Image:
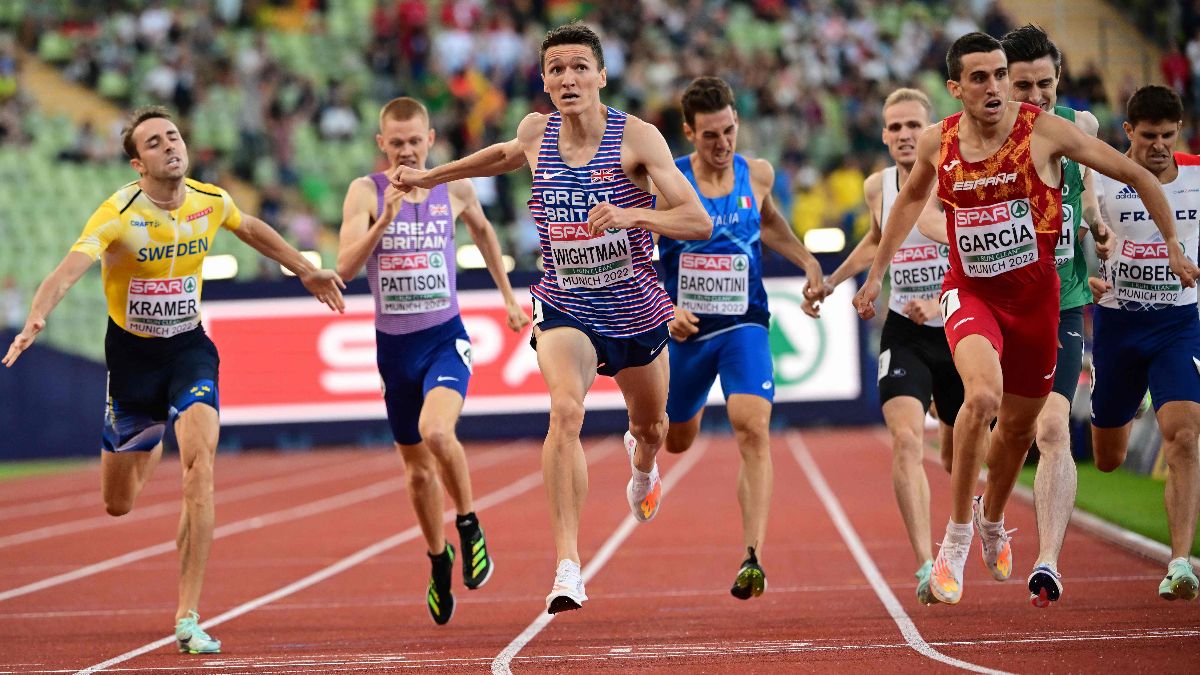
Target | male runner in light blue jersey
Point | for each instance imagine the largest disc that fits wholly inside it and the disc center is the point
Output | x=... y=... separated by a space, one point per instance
x=721 y=315
x=598 y=308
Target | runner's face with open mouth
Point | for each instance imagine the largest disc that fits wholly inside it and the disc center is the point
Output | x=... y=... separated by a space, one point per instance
x=1034 y=82
x=714 y=134
x=902 y=124
x=984 y=86
x=572 y=79
x=1151 y=144
x=162 y=154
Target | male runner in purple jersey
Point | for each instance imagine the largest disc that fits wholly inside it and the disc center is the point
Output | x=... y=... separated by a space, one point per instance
x=592 y=168
x=424 y=353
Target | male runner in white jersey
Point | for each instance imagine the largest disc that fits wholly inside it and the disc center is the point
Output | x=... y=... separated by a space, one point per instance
x=1034 y=65
x=721 y=315
x=915 y=365
x=424 y=352
x=152 y=237
x=1146 y=330
x=598 y=308
x=997 y=166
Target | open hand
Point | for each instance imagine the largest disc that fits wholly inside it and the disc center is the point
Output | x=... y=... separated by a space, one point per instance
x=22 y=341
x=326 y=286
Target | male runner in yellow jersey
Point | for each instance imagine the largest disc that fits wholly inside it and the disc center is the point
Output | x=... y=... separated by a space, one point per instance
x=152 y=236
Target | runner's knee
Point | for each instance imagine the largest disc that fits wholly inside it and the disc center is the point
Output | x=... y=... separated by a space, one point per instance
x=906 y=445
x=650 y=434
x=420 y=474
x=1053 y=435
x=198 y=479
x=566 y=416
x=752 y=437
x=438 y=436
x=982 y=403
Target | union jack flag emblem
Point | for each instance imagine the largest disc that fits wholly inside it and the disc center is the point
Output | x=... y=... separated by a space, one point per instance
x=604 y=175
x=439 y=209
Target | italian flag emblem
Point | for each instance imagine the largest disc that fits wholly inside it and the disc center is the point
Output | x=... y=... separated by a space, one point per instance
x=743 y=202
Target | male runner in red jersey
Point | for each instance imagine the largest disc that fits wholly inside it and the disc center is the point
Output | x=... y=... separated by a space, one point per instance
x=998 y=169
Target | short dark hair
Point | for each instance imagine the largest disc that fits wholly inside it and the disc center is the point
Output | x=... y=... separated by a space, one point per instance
x=1154 y=103
x=1030 y=43
x=971 y=43
x=146 y=112
x=574 y=33
x=705 y=95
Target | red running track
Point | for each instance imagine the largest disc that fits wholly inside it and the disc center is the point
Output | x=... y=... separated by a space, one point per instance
x=319 y=568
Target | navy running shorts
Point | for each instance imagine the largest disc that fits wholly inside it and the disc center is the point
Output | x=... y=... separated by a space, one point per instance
x=412 y=364
x=1159 y=349
x=151 y=381
x=612 y=354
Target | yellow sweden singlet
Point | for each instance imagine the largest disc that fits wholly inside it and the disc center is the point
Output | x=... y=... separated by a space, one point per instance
x=151 y=257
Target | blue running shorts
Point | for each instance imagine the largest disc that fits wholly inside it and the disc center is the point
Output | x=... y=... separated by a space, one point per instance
x=1132 y=350
x=613 y=354
x=412 y=364
x=741 y=356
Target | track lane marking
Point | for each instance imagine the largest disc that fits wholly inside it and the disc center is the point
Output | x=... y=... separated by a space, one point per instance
x=501 y=664
x=514 y=489
x=342 y=500
x=907 y=628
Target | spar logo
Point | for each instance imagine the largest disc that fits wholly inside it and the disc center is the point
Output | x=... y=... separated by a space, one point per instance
x=162 y=286
x=708 y=263
x=1020 y=208
x=1132 y=249
x=986 y=215
x=410 y=261
x=919 y=253
x=571 y=232
x=798 y=343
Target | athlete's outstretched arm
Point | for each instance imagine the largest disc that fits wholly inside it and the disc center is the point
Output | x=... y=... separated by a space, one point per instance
x=684 y=217
x=358 y=236
x=484 y=236
x=51 y=291
x=490 y=161
x=325 y=285
x=905 y=212
x=1067 y=140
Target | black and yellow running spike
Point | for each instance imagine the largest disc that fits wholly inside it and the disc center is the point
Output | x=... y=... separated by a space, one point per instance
x=477 y=562
x=751 y=581
x=438 y=596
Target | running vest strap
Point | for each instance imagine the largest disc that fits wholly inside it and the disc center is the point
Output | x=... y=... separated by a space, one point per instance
x=607 y=281
x=1068 y=253
x=1002 y=220
x=720 y=278
x=919 y=266
x=151 y=258
x=1138 y=267
x=412 y=269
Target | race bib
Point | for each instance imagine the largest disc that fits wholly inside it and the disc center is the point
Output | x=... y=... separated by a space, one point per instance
x=1064 y=250
x=1141 y=273
x=917 y=273
x=584 y=261
x=413 y=283
x=163 y=307
x=995 y=239
x=714 y=284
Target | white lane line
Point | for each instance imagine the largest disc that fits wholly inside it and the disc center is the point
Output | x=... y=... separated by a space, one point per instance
x=343 y=500
x=156 y=487
x=907 y=628
x=501 y=665
x=171 y=507
x=514 y=489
